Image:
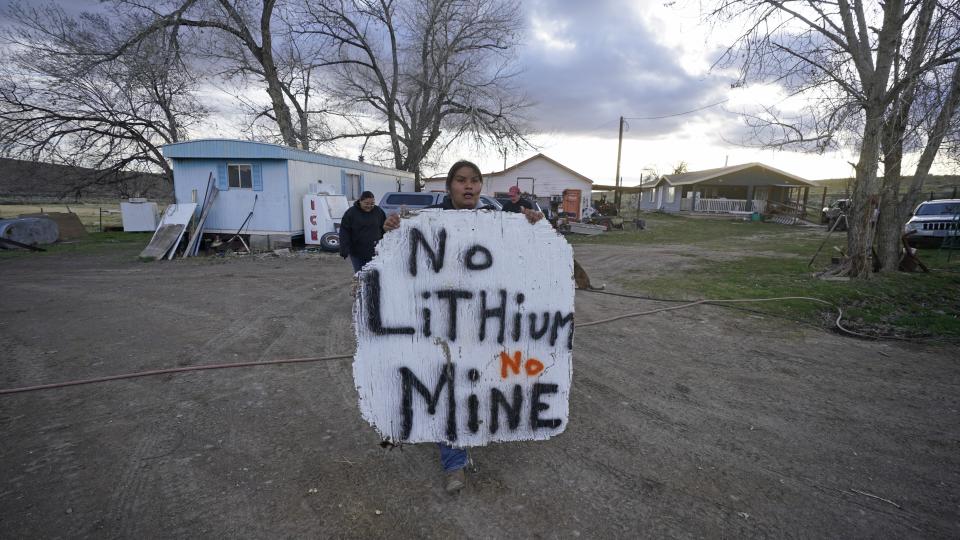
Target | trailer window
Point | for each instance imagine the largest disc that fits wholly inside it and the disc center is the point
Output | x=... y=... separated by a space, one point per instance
x=352 y=187
x=240 y=176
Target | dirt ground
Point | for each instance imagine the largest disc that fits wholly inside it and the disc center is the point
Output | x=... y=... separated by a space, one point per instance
x=694 y=423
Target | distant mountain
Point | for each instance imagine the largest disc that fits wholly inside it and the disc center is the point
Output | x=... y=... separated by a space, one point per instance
x=31 y=181
x=939 y=186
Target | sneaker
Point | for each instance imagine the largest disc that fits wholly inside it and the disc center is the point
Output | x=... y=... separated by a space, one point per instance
x=456 y=481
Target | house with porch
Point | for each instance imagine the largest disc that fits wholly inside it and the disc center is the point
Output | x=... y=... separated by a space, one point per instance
x=738 y=189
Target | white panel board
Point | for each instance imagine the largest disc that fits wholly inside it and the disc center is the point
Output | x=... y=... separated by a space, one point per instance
x=139 y=216
x=464 y=326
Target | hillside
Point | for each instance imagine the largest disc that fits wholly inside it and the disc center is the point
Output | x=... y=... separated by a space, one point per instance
x=937 y=186
x=30 y=181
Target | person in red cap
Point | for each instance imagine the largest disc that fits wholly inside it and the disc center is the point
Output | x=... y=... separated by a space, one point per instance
x=516 y=203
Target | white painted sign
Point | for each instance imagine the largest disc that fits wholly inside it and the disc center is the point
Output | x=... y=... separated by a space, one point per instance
x=464 y=325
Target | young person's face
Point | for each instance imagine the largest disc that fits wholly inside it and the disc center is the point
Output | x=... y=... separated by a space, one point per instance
x=367 y=204
x=465 y=188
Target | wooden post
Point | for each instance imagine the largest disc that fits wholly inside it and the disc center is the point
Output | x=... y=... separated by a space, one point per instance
x=806 y=197
x=823 y=200
x=101 y=219
x=616 y=180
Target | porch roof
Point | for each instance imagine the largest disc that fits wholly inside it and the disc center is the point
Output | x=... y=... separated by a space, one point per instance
x=749 y=174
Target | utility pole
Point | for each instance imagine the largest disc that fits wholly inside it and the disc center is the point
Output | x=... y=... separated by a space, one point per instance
x=616 y=180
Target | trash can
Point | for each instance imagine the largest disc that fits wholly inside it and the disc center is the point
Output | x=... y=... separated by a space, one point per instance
x=755 y=216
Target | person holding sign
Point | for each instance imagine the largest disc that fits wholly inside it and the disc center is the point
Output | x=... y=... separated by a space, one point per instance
x=360 y=229
x=464 y=183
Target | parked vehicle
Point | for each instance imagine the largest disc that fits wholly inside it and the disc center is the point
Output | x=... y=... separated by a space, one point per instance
x=536 y=206
x=393 y=201
x=831 y=212
x=933 y=221
x=607 y=222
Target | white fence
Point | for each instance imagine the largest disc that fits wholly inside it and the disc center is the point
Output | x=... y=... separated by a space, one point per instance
x=729 y=206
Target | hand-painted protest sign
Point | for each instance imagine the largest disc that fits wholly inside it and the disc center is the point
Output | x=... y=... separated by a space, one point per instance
x=464 y=325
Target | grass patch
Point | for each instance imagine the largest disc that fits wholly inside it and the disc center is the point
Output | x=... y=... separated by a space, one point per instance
x=121 y=243
x=774 y=263
x=668 y=229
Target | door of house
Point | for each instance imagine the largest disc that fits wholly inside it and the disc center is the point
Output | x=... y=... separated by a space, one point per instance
x=571 y=202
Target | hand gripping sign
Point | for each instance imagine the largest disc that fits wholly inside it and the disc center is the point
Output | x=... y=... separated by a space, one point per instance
x=464 y=325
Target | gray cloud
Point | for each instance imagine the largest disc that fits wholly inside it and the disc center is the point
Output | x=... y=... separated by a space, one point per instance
x=616 y=68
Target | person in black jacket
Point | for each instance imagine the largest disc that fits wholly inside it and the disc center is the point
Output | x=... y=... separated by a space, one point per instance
x=516 y=203
x=360 y=229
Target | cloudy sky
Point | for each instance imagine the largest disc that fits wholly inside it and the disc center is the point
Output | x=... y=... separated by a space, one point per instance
x=586 y=63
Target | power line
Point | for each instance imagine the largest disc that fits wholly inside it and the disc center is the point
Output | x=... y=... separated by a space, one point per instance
x=678 y=114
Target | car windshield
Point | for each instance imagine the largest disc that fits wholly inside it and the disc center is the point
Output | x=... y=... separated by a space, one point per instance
x=409 y=199
x=938 y=209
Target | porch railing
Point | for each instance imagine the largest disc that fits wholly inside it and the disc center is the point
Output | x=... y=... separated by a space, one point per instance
x=729 y=206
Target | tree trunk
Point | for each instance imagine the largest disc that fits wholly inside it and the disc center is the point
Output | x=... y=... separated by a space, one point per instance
x=274 y=89
x=891 y=218
x=860 y=233
x=888 y=221
x=280 y=109
x=889 y=228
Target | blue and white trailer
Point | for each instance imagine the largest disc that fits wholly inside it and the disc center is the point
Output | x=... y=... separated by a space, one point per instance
x=271 y=180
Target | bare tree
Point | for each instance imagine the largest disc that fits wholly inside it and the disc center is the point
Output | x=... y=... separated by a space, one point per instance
x=424 y=73
x=843 y=57
x=251 y=39
x=110 y=116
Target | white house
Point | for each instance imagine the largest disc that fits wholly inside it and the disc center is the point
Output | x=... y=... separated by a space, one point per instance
x=539 y=176
x=270 y=180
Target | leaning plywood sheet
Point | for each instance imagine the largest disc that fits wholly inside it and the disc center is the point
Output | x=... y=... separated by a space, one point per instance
x=68 y=224
x=464 y=326
x=160 y=244
x=165 y=237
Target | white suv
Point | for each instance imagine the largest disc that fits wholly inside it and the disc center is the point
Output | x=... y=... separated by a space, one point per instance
x=932 y=221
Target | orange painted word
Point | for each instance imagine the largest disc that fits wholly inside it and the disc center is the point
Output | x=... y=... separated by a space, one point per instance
x=532 y=366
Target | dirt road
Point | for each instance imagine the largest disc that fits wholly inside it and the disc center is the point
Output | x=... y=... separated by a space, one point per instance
x=696 y=423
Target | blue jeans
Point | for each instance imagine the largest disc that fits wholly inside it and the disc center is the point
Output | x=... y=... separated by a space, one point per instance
x=358 y=263
x=452 y=458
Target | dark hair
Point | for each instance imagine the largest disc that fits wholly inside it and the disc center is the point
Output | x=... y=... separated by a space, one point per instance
x=457 y=166
x=366 y=195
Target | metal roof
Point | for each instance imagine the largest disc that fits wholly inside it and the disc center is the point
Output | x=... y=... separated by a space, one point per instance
x=238 y=149
x=696 y=177
x=538 y=156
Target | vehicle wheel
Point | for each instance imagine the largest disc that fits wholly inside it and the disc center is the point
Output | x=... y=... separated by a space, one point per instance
x=330 y=242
